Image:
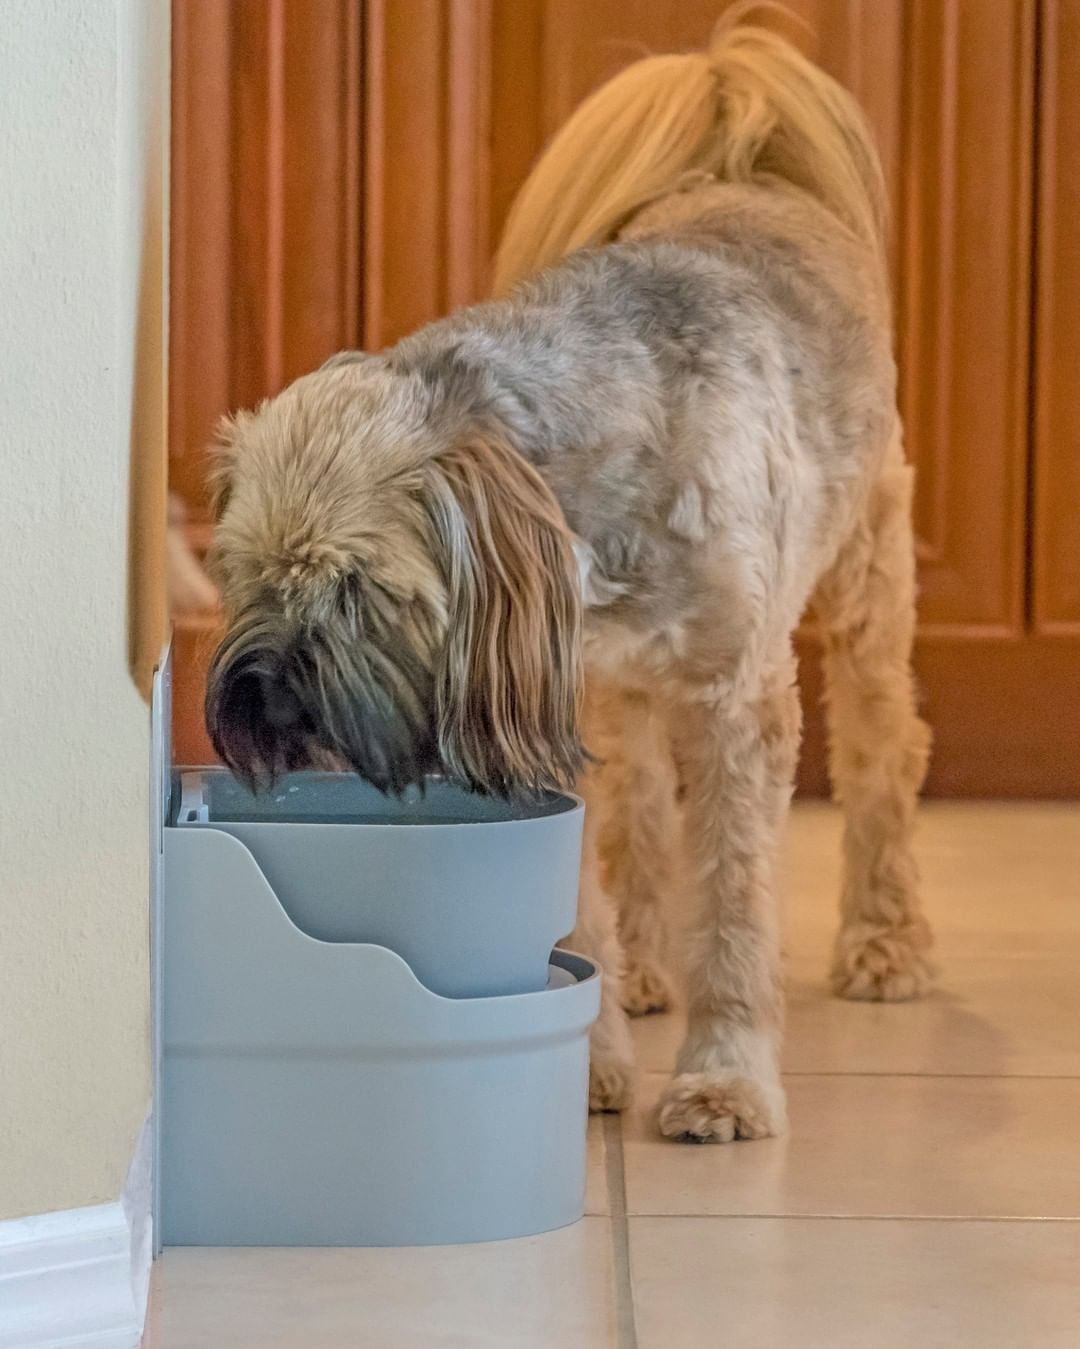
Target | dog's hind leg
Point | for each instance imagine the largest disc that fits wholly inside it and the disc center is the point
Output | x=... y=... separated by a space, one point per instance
x=637 y=836
x=611 y=1047
x=878 y=745
x=737 y=765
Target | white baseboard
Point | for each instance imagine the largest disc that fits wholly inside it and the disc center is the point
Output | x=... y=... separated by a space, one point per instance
x=78 y=1279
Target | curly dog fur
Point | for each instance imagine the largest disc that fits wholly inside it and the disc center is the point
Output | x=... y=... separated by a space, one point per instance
x=676 y=431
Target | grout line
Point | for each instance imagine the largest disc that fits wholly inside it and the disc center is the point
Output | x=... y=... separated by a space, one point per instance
x=885 y=1072
x=615 y=1172
x=861 y=1217
x=955 y=1077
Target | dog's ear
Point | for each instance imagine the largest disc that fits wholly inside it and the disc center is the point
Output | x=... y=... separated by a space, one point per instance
x=510 y=683
x=223 y=452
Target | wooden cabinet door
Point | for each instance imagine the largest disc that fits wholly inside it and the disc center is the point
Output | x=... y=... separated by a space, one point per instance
x=1056 y=465
x=963 y=205
x=949 y=86
x=342 y=169
x=982 y=349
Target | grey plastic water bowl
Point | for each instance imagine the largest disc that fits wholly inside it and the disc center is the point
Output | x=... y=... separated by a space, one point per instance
x=366 y=1037
x=473 y=893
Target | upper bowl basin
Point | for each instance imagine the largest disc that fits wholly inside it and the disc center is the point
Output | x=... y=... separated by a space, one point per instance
x=473 y=897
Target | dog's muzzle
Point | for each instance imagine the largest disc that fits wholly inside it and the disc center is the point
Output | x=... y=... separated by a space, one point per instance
x=280 y=699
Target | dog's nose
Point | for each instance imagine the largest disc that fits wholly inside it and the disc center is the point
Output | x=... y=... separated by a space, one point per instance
x=280 y=706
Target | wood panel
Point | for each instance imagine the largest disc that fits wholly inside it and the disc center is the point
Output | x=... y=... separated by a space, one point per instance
x=200 y=244
x=1005 y=717
x=552 y=53
x=964 y=302
x=1056 y=539
x=426 y=123
x=265 y=245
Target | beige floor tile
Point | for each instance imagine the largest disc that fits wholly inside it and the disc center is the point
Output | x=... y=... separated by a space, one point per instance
x=553 y=1289
x=1002 y=885
x=998 y=878
x=866 y=1146
x=1018 y=1016
x=821 y=1284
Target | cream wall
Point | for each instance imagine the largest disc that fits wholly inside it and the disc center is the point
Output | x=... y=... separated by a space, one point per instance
x=83 y=117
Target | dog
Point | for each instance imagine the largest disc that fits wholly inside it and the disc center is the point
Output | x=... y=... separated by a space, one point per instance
x=563 y=538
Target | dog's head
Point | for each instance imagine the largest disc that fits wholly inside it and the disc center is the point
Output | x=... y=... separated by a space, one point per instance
x=400 y=594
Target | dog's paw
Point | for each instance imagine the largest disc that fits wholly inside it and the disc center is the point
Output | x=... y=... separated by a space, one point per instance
x=645 y=988
x=882 y=964
x=611 y=1083
x=718 y=1108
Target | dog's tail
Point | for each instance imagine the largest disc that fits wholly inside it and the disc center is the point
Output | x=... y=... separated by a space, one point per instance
x=749 y=108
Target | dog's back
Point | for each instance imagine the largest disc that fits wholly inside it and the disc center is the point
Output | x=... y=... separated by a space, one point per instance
x=738 y=201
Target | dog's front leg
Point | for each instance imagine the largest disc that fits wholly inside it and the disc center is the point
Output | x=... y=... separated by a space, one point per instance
x=737 y=767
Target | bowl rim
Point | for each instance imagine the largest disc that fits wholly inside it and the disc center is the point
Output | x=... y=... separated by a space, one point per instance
x=189 y=810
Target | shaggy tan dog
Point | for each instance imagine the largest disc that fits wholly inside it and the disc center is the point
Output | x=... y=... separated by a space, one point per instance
x=642 y=464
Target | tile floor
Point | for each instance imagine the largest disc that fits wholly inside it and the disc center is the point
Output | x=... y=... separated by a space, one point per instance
x=928 y=1193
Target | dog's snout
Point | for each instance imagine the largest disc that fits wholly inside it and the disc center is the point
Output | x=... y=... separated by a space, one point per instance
x=281 y=708
x=254 y=715
x=280 y=700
